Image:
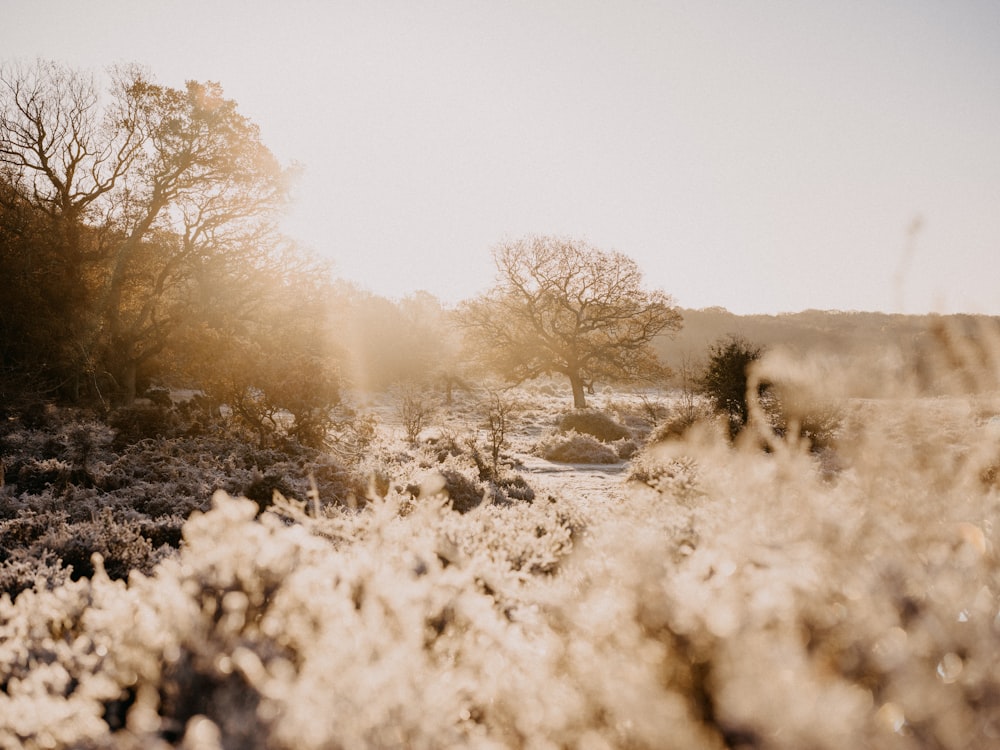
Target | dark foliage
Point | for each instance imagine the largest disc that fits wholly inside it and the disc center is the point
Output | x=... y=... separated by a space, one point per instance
x=140 y=422
x=80 y=487
x=725 y=378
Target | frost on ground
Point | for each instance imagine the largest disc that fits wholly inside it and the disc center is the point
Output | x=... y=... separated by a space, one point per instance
x=756 y=595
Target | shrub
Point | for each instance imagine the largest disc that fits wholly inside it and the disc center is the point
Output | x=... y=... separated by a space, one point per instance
x=135 y=423
x=24 y=570
x=35 y=476
x=574 y=448
x=677 y=424
x=673 y=476
x=159 y=396
x=415 y=408
x=516 y=488
x=625 y=448
x=499 y=415
x=595 y=423
x=261 y=490
x=725 y=379
x=463 y=492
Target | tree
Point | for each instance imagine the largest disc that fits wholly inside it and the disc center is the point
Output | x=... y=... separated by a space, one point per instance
x=61 y=159
x=561 y=306
x=725 y=379
x=142 y=190
x=269 y=353
x=413 y=342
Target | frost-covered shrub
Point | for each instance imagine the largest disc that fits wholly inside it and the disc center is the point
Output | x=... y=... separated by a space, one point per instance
x=625 y=448
x=446 y=444
x=676 y=425
x=24 y=570
x=574 y=448
x=259 y=624
x=37 y=475
x=70 y=493
x=415 y=407
x=514 y=487
x=673 y=475
x=262 y=488
x=119 y=542
x=23 y=530
x=592 y=422
x=774 y=608
x=461 y=491
x=141 y=422
x=54 y=540
x=468 y=475
x=731 y=597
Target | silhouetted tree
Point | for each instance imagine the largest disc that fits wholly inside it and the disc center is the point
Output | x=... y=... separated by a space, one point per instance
x=562 y=306
x=141 y=192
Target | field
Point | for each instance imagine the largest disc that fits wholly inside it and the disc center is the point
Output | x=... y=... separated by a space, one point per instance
x=776 y=592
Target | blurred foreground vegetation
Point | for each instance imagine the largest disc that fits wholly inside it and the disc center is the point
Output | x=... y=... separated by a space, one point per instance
x=759 y=591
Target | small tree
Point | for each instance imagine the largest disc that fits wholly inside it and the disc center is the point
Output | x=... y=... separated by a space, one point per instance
x=724 y=379
x=498 y=422
x=562 y=306
x=414 y=410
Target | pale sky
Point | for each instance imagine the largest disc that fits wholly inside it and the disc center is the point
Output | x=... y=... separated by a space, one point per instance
x=761 y=156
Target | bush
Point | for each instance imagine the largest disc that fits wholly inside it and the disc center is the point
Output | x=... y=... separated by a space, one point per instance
x=595 y=423
x=574 y=448
x=725 y=379
x=516 y=488
x=463 y=492
x=24 y=570
x=135 y=423
x=261 y=490
x=625 y=448
x=677 y=424
x=675 y=477
x=415 y=408
x=70 y=492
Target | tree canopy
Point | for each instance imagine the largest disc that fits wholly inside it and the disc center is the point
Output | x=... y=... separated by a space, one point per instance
x=137 y=224
x=562 y=306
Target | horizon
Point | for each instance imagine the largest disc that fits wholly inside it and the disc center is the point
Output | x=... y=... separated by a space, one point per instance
x=766 y=160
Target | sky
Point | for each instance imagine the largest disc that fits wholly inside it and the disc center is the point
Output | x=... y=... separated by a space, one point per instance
x=760 y=156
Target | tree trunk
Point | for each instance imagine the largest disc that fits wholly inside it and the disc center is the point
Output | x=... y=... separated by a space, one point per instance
x=128 y=382
x=579 y=396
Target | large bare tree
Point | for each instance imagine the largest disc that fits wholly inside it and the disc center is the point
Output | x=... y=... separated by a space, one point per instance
x=562 y=306
x=145 y=188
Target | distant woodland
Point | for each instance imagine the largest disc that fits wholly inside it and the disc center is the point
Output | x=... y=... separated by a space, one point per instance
x=865 y=342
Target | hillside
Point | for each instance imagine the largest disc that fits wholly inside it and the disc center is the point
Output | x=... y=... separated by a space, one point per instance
x=870 y=338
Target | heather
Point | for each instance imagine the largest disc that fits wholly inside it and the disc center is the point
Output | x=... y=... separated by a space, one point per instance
x=754 y=592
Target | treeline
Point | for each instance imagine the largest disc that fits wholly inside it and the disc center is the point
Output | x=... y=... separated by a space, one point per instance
x=138 y=242
x=139 y=248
